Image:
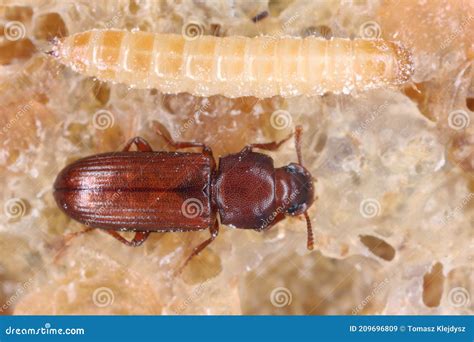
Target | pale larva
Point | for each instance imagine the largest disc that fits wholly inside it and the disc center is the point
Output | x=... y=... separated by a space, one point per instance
x=235 y=66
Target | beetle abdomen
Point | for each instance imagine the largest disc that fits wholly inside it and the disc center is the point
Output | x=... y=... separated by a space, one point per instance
x=236 y=66
x=141 y=191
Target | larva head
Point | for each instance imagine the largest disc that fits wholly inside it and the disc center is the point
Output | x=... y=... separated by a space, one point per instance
x=294 y=187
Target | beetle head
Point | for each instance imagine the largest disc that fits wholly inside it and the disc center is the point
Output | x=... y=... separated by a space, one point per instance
x=295 y=191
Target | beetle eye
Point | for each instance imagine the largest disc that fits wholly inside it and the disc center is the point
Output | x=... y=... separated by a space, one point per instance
x=291 y=169
x=293 y=209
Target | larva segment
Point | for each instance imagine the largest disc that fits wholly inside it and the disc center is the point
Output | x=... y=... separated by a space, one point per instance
x=168 y=63
x=139 y=53
x=200 y=59
x=315 y=61
x=261 y=67
x=199 y=65
x=77 y=47
x=136 y=56
x=230 y=66
x=292 y=69
x=107 y=55
x=340 y=66
x=236 y=66
x=375 y=65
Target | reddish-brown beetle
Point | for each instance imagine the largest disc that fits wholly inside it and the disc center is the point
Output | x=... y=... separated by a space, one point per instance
x=145 y=191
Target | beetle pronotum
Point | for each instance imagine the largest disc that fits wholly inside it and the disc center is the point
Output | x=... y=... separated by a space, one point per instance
x=235 y=66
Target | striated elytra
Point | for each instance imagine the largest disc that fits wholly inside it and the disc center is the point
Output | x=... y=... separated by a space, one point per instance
x=145 y=191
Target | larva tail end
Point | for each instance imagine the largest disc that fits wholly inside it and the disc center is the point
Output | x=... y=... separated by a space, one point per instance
x=53 y=47
x=52 y=53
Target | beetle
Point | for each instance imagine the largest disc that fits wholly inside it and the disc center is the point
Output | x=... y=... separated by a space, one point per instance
x=146 y=191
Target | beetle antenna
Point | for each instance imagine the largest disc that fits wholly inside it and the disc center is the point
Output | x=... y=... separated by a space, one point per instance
x=298 y=132
x=309 y=228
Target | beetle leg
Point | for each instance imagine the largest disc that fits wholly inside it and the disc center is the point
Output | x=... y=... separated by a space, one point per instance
x=142 y=145
x=214 y=230
x=138 y=239
x=71 y=236
x=165 y=134
x=64 y=244
x=270 y=146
